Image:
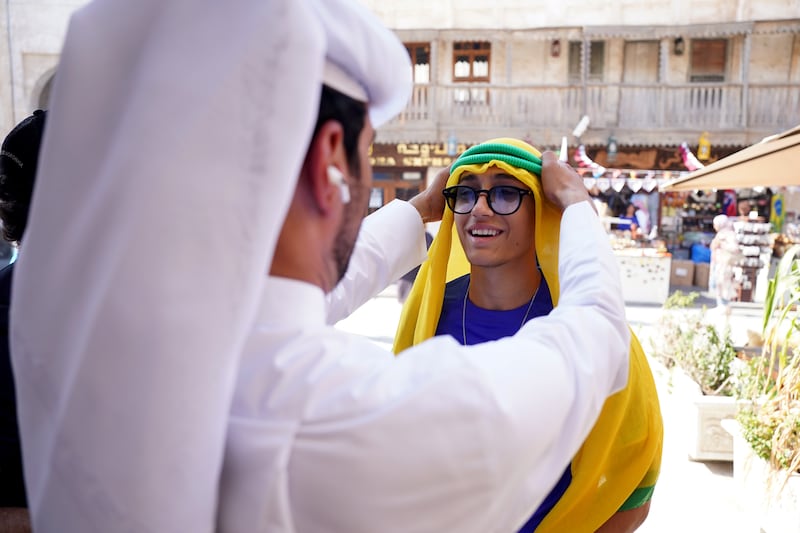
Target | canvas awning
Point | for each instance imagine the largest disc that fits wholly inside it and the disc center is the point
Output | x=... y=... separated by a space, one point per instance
x=773 y=162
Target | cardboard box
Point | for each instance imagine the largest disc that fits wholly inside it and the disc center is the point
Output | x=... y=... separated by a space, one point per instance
x=681 y=273
x=701 y=271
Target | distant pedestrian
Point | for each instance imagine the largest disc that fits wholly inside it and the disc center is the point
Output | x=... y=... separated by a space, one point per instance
x=725 y=254
x=642 y=217
x=628 y=220
x=745 y=208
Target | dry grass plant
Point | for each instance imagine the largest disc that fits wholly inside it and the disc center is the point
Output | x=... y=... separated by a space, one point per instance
x=771 y=421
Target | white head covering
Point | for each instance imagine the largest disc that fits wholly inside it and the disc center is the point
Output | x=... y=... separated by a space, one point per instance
x=721 y=222
x=175 y=130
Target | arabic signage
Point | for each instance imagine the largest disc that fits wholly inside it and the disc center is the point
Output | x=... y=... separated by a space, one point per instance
x=412 y=155
x=425 y=155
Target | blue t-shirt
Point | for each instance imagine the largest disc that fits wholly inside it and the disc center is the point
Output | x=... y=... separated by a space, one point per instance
x=626 y=222
x=486 y=325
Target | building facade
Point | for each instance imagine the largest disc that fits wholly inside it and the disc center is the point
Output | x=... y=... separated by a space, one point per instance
x=31 y=35
x=647 y=75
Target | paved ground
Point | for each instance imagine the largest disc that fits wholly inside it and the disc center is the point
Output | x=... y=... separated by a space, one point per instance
x=690 y=496
x=693 y=496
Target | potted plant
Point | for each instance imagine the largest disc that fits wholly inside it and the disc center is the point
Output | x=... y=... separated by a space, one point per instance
x=769 y=425
x=700 y=359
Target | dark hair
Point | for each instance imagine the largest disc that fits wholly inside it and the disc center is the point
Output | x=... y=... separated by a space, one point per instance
x=18 y=163
x=348 y=112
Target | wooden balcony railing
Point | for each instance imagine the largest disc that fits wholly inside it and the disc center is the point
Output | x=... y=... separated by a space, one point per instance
x=710 y=107
x=773 y=104
x=693 y=106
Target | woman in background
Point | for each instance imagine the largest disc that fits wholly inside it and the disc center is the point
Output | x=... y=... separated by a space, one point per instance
x=725 y=254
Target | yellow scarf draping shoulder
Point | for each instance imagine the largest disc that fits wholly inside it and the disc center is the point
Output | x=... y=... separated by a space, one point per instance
x=618 y=463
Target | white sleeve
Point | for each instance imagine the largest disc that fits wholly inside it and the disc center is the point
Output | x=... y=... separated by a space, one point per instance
x=469 y=439
x=390 y=243
x=153 y=225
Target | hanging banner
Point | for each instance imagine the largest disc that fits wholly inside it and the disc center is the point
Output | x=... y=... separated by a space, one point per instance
x=689 y=159
x=584 y=161
x=617 y=184
x=776 y=213
x=634 y=184
x=729 y=203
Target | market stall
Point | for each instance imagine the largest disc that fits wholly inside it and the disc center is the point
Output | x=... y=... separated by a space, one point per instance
x=768 y=173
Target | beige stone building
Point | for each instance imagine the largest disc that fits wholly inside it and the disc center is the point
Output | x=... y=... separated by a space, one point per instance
x=31 y=35
x=641 y=77
x=649 y=75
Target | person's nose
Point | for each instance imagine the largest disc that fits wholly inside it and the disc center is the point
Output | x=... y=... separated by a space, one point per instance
x=482 y=204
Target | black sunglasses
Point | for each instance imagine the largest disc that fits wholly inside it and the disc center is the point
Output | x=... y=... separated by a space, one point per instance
x=502 y=199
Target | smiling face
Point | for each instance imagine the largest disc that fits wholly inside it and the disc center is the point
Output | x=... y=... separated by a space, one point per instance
x=491 y=240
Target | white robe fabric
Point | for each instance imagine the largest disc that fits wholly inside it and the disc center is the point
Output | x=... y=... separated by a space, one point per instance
x=391 y=242
x=331 y=433
x=176 y=131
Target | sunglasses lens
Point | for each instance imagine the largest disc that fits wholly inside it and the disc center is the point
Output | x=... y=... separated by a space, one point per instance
x=464 y=199
x=504 y=200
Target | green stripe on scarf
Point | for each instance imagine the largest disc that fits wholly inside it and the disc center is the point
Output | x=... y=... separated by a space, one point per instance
x=483 y=153
x=639 y=497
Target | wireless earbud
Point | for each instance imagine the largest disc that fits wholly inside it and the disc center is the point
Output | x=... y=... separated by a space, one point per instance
x=336 y=177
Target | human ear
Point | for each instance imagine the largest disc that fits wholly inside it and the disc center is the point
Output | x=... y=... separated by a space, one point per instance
x=325 y=167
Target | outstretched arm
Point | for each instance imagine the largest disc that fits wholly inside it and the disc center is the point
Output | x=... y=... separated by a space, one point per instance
x=495 y=423
x=391 y=242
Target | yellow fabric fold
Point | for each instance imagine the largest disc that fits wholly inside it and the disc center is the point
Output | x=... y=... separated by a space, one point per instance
x=623 y=450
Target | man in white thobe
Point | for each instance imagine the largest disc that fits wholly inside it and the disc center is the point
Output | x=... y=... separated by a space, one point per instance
x=165 y=385
x=329 y=432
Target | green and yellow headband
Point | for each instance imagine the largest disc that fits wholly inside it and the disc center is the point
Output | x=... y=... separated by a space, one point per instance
x=504 y=150
x=515 y=157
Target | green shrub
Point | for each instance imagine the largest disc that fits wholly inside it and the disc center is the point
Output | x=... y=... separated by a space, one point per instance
x=771 y=422
x=681 y=338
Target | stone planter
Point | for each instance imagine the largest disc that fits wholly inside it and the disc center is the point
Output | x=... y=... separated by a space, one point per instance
x=773 y=505
x=707 y=440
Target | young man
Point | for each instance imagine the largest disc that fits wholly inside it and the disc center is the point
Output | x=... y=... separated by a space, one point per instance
x=509 y=235
x=153 y=378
